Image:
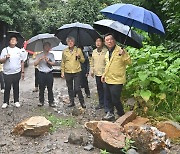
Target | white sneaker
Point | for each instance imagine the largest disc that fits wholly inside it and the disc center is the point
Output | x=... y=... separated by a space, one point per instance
x=17 y=104
x=2 y=91
x=5 y=105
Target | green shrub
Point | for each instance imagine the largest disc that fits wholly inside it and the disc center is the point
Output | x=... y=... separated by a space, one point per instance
x=154 y=80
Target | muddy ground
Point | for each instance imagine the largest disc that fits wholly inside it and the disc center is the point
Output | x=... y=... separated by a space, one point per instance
x=51 y=143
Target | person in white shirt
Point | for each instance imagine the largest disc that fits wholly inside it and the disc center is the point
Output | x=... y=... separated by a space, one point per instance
x=13 y=69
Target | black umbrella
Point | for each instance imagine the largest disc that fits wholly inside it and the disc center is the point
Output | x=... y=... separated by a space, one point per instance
x=20 y=38
x=120 y=32
x=36 y=42
x=84 y=34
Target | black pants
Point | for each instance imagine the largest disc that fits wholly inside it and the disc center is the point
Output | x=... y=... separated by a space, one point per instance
x=84 y=83
x=113 y=94
x=11 y=80
x=46 y=80
x=74 y=87
x=36 y=77
x=101 y=93
x=2 y=80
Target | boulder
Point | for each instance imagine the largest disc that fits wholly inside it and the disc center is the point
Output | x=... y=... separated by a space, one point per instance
x=126 y=118
x=148 y=139
x=172 y=129
x=34 y=126
x=107 y=135
x=139 y=121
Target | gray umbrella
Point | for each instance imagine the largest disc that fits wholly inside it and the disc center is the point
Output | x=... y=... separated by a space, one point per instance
x=60 y=47
x=120 y=32
x=36 y=42
x=84 y=34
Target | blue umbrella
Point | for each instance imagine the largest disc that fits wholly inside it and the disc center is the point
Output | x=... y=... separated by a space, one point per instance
x=135 y=16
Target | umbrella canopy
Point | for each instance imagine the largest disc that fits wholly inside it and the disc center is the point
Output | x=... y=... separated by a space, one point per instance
x=36 y=42
x=20 y=38
x=60 y=47
x=135 y=16
x=84 y=34
x=120 y=32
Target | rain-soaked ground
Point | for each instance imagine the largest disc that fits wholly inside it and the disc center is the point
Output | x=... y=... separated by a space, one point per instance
x=52 y=143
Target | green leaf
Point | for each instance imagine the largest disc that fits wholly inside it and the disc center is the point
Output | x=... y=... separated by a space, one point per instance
x=155 y=80
x=143 y=76
x=145 y=94
x=161 y=96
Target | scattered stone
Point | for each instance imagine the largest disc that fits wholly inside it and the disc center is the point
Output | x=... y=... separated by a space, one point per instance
x=66 y=141
x=148 y=139
x=75 y=139
x=172 y=129
x=89 y=147
x=34 y=126
x=2 y=144
x=131 y=102
x=132 y=151
x=78 y=111
x=107 y=135
x=126 y=118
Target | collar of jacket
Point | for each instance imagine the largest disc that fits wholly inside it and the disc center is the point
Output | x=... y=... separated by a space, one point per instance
x=74 y=50
x=102 y=51
x=115 y=51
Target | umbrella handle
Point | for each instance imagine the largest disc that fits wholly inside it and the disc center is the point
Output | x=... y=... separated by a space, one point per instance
x=128 y=33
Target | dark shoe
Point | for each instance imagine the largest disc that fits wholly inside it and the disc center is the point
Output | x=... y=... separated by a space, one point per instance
x=35 y=89
x=99 y=107
x=52 y=104
x=88 y=96
x=83 y=106
x=109 y=117
x=40 y=104
x=71 y=105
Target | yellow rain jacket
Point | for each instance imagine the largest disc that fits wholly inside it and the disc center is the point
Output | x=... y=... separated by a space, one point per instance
x=115 y=70
x=69 y=63
x=98 y=62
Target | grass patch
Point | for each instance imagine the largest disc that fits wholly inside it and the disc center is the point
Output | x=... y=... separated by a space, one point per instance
x=59 y=122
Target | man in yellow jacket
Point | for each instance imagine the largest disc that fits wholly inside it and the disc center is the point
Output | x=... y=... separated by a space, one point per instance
x=72 y=58
x=114 y=75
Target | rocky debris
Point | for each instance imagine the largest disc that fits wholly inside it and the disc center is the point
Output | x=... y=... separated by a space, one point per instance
x=64 y=99
x=34 y=126
x=89 y=147
x=107 y=135
x=148 y=139
x=139 y=121
x=78 y=111
x=132 y=151
x=126 y=118
x=172 y=129
x=131 y=102
x=75 y=139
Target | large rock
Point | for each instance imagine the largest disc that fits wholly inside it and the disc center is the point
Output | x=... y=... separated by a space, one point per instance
x=33 y=126
x=148 y=139
x=172 y=129
x=107 y=135
x=139 y=121
x=126 y=118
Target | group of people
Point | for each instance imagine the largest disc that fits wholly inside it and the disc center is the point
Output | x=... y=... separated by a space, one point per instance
x=108 y=66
